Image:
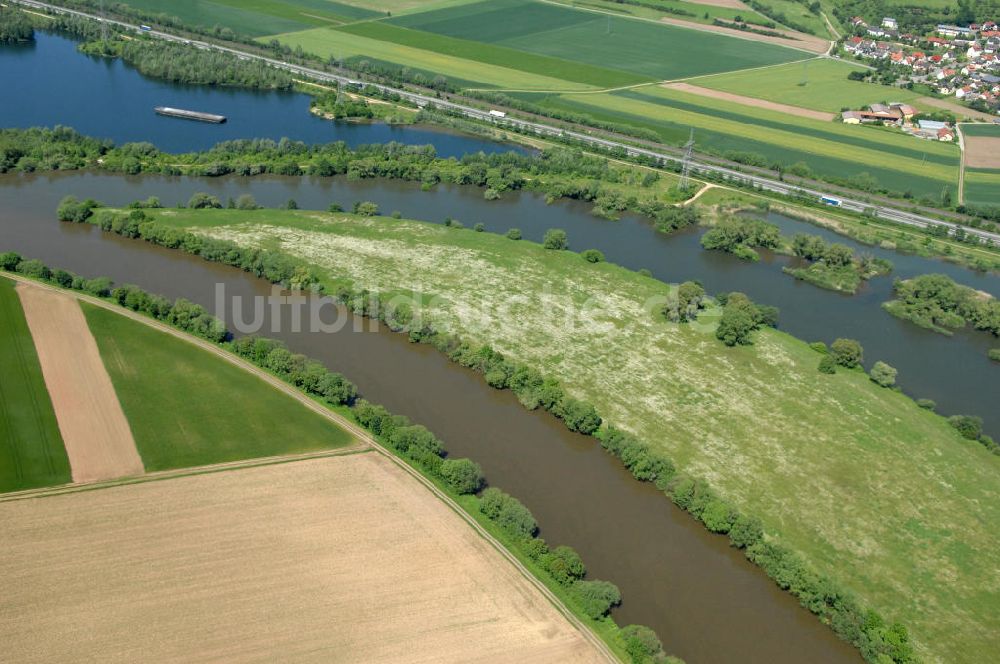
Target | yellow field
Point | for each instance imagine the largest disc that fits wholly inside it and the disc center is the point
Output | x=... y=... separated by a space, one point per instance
x=340 y=559
x=342 y=45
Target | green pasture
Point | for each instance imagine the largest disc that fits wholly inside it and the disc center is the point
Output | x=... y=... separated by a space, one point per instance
x=982 y=186
x=832 y=149
x=31 y=448
x=642 y=48
x=188 y=407
x=469 y=73
x=871 y=490
x=670 y=9
x=820 y=84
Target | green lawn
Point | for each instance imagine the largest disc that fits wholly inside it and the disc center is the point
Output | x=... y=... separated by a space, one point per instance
x=643 y=48
x=819 y=84
x=31 y=449
x=883 y=496
x=188 y=408
x=831 y=149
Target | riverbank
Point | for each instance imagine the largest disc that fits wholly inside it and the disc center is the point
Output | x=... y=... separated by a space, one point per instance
x=805 y=505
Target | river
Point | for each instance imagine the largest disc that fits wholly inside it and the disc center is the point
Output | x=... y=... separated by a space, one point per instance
x=53 y=84
x=703 y=598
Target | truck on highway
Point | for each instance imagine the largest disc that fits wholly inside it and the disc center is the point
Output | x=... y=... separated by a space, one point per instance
x=497 y=114
x=145 y=28
x=829 y=200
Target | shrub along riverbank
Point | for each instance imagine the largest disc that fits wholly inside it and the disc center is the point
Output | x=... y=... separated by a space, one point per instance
x=799 y=549
x=510 y=521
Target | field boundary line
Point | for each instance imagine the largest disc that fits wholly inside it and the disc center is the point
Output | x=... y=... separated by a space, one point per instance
x=961 y=164
x=363 y=436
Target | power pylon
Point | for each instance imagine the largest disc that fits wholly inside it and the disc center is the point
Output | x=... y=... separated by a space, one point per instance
x=686 y=164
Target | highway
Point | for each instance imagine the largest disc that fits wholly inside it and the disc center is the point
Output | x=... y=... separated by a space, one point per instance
x=768 y=184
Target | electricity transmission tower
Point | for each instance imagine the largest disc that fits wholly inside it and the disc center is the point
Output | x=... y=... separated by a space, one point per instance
x=686 y=165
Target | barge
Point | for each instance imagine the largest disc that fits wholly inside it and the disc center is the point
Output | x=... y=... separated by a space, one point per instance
x=190 y=115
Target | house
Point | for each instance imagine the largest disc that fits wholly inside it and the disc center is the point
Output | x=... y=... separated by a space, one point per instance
x=945 y=134
x=907 y=110
x=963 y=91
x=890 y=24
x=954 y=31
x=851 y=117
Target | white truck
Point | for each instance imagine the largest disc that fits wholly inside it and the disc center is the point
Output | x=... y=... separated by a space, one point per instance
x=497 y=114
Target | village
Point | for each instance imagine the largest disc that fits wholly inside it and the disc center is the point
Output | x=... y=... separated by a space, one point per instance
x=955 y=61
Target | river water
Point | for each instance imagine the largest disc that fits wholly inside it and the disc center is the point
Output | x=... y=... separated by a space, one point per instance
x=49 y=83
x=704 y=600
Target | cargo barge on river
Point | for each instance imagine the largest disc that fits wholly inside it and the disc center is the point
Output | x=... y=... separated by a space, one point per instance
x=190 y=115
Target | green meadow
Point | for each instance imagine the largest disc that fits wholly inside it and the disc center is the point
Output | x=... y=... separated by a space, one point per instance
x=873 y=491
x=820 y=84
x=31 y=448
x=188 y=407
x=831 y=149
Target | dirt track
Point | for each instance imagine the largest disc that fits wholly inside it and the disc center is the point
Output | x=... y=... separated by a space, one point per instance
x=96 y=434
x=982 y=151
x=750 y=101
x=797 y=40
x=340 y=559
x=732 y=4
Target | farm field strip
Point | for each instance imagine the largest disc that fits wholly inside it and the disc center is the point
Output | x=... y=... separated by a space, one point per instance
x=344 y=558
x=94 y=428
x=799 y=41
x=643 y=48
x=789 y=145
x=31 y=448
x=342 y=45
x=498 y=55
x=982 y=186
x=820 y=84
x=750 y=101
x=172 y=392
x=823 y=454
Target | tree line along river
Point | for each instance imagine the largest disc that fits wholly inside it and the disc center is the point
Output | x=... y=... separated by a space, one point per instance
x=706 y=602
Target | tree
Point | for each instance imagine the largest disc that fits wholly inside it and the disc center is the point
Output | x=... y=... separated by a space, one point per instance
x=827 y=365
x=718 y=516
x=641 y=644
x=479 y=228
x=463 y=475
x=555 y=238
x=291 y=204
x=847 y=353
x=564 y=565
x=514 y=234
x=202 y=200
x=592 y=256
x=739 y=319
x=970 y=427
x=366 y=209
x=745 y=531
x=246 y=202
x=9 y=261
x=883 y=374
x=596 y=597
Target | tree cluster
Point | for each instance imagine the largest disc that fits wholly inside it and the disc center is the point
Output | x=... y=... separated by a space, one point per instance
x=937 y=302
x=739 y=236
x=15 y=26
x=741 y=317
x=294 y=368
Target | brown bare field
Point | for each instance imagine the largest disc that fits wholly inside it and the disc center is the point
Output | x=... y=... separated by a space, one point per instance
x=96 y=434
x=750 y=101
x=982 y=151
x=957 y=109
x=340 y=559
x=798 y=40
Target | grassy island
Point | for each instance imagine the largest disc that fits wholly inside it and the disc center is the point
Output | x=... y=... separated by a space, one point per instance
x=871 y=490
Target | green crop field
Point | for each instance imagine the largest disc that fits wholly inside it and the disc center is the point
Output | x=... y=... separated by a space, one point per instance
x=188 y=407
x=257 y=17
x=643 y=48
x=493 y=54
x=670 y=9
x=872 y=490
x=819 y=84
x=31 y=449
x=831 y=149
x=982 y=186
x=991 y=130
x=468 y=73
